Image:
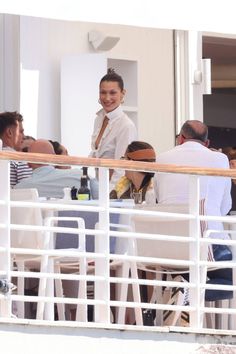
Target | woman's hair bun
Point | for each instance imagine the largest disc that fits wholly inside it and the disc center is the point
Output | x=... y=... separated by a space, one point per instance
x=111 y=71
x=111 y=75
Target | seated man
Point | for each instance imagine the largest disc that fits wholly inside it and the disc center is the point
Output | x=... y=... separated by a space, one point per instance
x=172 y=188
x=193 y=150
x=50 y=181
x=11 y=134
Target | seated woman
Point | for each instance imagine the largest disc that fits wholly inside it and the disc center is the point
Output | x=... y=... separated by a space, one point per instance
x=137 y=185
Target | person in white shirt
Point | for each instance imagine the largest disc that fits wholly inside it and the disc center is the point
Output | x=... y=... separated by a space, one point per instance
x=113 y=129
x=193 y=150
x=172 y=188
x=12 y=134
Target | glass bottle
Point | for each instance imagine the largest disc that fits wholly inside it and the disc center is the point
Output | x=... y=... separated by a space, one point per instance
x=84 y=191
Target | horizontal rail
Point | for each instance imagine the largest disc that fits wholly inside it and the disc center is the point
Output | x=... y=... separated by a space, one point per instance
x=117 y=280
x=118 y=164
x=40 y=275
x=57 y=229
x=62 y=300
x=56 y=206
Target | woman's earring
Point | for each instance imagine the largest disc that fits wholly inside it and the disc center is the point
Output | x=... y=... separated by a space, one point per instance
x=99 y=101
x=122 y=101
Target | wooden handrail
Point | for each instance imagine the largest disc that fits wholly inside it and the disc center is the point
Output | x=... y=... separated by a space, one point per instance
x=114 y=164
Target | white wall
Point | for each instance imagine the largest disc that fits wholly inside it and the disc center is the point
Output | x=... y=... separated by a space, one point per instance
x=44 y=42
x=9 y=63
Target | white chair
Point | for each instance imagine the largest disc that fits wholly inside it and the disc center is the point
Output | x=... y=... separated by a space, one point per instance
x=232 y=303
x=122 y=270
x=224 y=321
x=145 y=247
x=26 y=239
x=72 y=265
x=43 y=240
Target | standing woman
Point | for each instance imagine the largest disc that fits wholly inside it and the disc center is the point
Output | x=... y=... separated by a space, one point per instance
x=113 y=129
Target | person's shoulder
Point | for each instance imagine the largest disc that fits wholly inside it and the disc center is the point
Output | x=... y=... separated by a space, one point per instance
x=127 y=120
x=126 y=116
x=169 y=152
x=217 y=153
x=219 y=156
x=130 y=122
x=99 y=116
x=100 y=113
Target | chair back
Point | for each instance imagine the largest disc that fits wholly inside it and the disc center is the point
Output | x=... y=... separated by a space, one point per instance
x=26 y=216
x=163 y=225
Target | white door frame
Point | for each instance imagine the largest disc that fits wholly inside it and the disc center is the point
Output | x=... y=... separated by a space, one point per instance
x=189 y=76
x=9 y=62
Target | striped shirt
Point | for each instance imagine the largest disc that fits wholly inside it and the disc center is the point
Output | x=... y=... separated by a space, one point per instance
x=18 y=169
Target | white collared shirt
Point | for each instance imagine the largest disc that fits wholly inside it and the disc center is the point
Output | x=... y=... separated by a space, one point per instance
x=119 y=133
x=173 y=188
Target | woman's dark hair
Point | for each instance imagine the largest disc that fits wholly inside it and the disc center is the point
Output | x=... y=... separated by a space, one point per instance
x=113 y=76
x=57 y=147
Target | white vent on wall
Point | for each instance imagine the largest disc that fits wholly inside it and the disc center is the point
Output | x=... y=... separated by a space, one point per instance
x=100 y=41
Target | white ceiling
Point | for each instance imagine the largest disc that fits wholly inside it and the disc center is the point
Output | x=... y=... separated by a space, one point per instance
x=200 y=15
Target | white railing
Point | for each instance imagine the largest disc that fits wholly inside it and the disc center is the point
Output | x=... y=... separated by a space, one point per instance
x=98 y=264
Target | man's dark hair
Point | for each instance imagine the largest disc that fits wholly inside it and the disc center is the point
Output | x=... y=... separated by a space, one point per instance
x=113 y=76
x=194 y=129
x=8 y=119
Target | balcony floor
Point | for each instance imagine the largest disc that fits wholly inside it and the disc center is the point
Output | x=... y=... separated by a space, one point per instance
x=27 y=336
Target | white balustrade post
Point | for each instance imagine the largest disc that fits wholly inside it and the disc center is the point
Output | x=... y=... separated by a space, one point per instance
x=195 y=293
x=232 y=302
x=5 y=259
x=102 y=266
x=49 y=306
